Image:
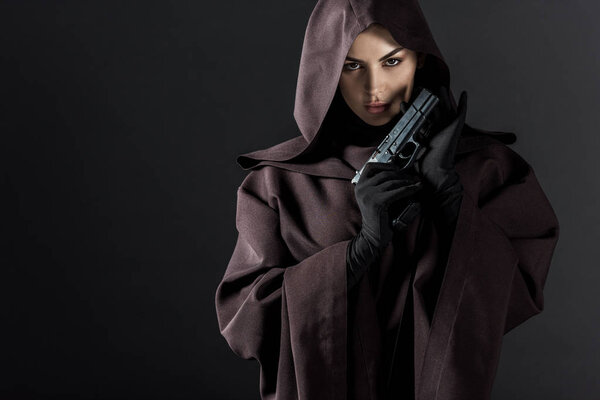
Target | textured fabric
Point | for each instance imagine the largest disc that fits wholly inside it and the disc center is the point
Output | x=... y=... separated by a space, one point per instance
x=283 y=298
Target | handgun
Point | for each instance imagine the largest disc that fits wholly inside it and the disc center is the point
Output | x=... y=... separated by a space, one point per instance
x=407 y=137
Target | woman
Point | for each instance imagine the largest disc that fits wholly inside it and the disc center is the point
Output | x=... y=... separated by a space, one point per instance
x=331 y=300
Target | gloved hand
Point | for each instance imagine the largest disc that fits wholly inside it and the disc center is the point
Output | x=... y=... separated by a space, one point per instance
x=437 y=162
x=381 y=187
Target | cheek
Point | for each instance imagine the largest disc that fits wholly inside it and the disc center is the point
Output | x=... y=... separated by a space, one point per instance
x=347 y=84
x=402 y=82
x=403 y=78
x=350 y=90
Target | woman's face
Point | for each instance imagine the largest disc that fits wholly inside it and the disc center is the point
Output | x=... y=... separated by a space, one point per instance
x=375 y=71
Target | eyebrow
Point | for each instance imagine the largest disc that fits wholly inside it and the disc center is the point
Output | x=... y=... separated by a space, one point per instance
x=382 y=58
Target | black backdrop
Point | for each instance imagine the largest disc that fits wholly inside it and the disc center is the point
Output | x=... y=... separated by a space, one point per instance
x=120 y=124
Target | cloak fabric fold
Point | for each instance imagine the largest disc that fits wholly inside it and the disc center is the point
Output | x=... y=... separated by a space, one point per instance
x=283 y=298
x=276 y=312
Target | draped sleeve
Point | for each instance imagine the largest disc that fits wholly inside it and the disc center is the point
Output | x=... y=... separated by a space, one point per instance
x=288 y=314
x=498 y=264
x=510 y=198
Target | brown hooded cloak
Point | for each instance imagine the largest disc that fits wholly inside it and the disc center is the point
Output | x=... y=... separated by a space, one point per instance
x=430 y=315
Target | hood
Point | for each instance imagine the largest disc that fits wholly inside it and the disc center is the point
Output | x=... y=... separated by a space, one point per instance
x=331 y=30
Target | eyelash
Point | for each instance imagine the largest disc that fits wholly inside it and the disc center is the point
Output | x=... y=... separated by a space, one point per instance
x=355 y=69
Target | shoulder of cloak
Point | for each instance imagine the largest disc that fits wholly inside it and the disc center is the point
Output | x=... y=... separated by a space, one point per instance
x=294 y=154
x=280 y=152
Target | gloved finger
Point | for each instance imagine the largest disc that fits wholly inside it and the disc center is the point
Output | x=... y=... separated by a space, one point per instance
x=371 y=170
x=390 y=176
x=374 y=168
x=395 y=184
x=369 y=185
x=392 y=196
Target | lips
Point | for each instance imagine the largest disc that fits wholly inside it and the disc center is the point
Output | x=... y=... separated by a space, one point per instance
x=377 y=107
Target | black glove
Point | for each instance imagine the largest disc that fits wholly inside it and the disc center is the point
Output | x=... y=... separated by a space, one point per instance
x=382 y=188
x=437 y=162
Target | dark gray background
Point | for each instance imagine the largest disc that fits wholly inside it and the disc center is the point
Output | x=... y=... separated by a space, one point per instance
x=120 y=125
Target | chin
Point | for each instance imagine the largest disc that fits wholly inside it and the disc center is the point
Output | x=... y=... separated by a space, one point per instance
x=380 y=119
x=377 y=120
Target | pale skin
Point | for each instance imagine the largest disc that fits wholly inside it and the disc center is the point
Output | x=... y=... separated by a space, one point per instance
x=378 y=69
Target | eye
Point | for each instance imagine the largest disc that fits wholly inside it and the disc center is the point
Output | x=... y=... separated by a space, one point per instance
x=354 y=66
x=397 y=61
x=348 y=68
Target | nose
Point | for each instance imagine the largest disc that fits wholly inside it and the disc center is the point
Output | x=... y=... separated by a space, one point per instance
x=374 y=82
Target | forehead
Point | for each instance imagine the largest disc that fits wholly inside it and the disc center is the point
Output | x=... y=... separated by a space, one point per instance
x=373 y=39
